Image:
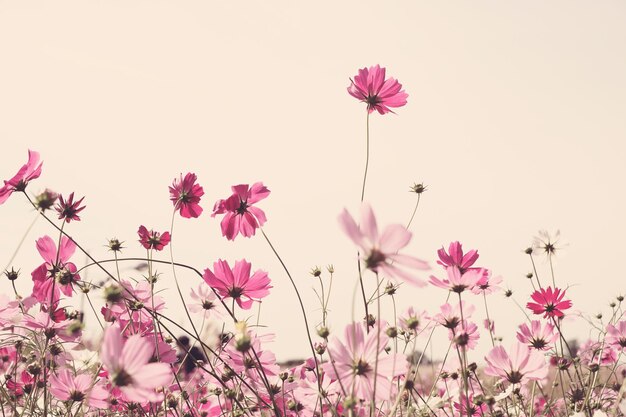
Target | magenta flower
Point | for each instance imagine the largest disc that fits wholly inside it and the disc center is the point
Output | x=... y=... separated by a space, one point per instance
x=549 y=302
x=28 y=172
x=128 y=364
x=68 y=209
x=80 y=388
x=518 y=367
x=458 y=281
x=56 y=274
x=456 y=257
x=237 y=283
x=371 y=87
x=354 y=362
x=241 y=216
x=380 y=252
x=537 y=336
x=153 y=240
x=185 y=194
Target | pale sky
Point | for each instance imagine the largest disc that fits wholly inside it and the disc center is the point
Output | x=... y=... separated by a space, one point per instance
x=515 y=122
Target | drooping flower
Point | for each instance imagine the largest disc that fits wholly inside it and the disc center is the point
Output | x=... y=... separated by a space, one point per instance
x=371 y=87
x=237 y=283
x=68 y=209
x=549 y=302
x=27 y=173
x=537 y=336
x=380 y=252
x=354 y=362
x=456 y=257
x=518 y=367
x=127 y=363
x=153 y=240
x=240 y=214
x=56 y=274
x=458 y=281
x=66 y=386
x=185 y=194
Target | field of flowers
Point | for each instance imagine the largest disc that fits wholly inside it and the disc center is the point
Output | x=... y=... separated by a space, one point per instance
x=146 y=364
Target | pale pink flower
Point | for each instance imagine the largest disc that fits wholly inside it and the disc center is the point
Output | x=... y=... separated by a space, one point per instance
x=371 y=87
x=237 y=283
x=450 y=316
x=537 y=336
x=380 y=252
x=487 y=284
x=205 y=302
x=28 y=172
x=185 y=194
x=616 y=335
x=466 y=335
x=458 y=281
x=413 y=321
x=519 y=367
x=592 y=352
x=240 y=214
x=127 y=362
x=66 y=386
x=354 y=361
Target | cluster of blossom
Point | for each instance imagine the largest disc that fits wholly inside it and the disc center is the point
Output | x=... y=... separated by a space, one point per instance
x=146 y=364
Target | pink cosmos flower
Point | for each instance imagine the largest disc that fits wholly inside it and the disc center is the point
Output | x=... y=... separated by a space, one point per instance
x=67 y=387
x=458 y=281
x=413 y=321
x=205 y=302
x=354 y=362
x=153 y=240
x=487 y=284
x=241 y=216
x=537 y=336
x=466 y=335
x=616 y=335
x=456 y=257
x=28 y=172
x=127 y=363
x=56 y=274
x=592 y=352
x=451 y=316
x=371 y=87
x=185 y=194
x=549 y=302
x=380 y=252
x=237 y=283
x=518 y=367
x=68 y=209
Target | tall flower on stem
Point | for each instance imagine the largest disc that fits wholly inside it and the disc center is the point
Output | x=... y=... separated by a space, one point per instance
x=371 y=87
x=28 y=172
x=380 y=252
x=240 y=214
x=185 y=193
x=237 y=283
x=56 y=274
x=152 y=239
x=549 y=302
x=68 y=209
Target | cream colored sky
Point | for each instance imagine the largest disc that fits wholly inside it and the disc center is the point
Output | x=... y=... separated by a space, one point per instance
x=515 y=122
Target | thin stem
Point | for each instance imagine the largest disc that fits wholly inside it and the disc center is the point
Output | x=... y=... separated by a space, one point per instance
x=367 y=155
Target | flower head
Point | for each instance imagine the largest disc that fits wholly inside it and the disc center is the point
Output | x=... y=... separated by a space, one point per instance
x=616 y=335
x=354 y=361
x=545 y=243
x=185 y=194
x=28 y=172
x=549 y=302
x=237 y=283
x=66 y=386
x=153 y=240
x=537 y=336
x=380 y=252
x=458 y=281
x=455 y=257
x=68 y=209
x=517 y=367
x=127 y=363
x=240 y=214
x=371 y=87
